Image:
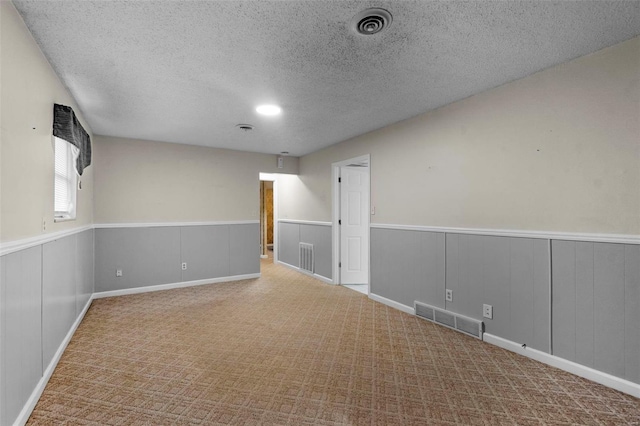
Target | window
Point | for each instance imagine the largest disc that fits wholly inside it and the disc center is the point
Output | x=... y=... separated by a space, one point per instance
x=65 y=180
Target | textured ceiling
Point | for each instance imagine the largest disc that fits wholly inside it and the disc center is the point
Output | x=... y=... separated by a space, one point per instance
x=188 y=72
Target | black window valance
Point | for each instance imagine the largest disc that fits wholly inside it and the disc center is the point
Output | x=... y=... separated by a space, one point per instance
x=67 y=126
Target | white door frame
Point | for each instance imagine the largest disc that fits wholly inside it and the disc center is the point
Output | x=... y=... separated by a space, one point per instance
x=335 y=191
x=273 y=178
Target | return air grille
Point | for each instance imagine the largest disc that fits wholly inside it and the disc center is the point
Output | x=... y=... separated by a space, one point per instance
x=424 y=311
x=306 y=257
x=452 y=320
x=469 y=326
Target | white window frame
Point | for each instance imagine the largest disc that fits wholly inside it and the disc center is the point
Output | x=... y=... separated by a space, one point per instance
x=65 y=179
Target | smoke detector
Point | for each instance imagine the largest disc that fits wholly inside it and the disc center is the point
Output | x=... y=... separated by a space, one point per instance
x=371 y=21
x=245 y=127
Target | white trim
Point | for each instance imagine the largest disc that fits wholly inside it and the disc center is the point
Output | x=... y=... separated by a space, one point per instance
x=568 y=236
x=550 y=295
x=335 y=216
x=161 y=287
x=579 y=370
x=28 y=407
x=276 y=226
x=25 y=243
x=295 y=268
x=161 y=224
x=272 y=177
x=321 y=278
x=392 y=303
x=305 y=222
x=264 y=256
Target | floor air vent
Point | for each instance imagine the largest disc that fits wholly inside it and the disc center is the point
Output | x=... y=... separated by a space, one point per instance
x=449 y=319
x=306 y=257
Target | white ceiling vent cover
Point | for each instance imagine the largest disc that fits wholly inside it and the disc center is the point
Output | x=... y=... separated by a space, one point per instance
x=448 y=319
x=371 y=21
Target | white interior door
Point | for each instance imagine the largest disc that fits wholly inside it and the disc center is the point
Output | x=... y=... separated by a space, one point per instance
x=354 y=225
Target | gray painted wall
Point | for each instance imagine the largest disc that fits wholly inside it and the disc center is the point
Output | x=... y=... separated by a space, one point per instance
x=596 y=290
x=510 y=274
x=58 y=293
x=408 y=265
x=85 y=271
x=288 y=243
x=21 y=326
x=244 y=249
x=151 y=256
x=320 y=237
x=290 y=235
x=146 y=256
x=596 y=306
x=43 y=290
x=206 y=248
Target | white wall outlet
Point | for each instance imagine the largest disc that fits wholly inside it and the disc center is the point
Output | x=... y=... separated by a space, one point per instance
x=184 y=266
x=118 y=272
x=373 y=210
x=44 y=224
x=487 y=311
x=449 y=295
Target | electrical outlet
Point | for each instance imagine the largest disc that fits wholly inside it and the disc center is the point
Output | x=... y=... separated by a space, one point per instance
x=44 y=224
x=118 y=272
x=184 y=266
x=373 y=210
x=449 y=295
x=487 y=311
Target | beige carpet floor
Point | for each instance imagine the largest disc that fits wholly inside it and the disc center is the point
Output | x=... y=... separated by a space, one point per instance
x=288 y=349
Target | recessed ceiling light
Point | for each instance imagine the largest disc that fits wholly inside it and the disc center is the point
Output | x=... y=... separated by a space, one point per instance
x=269 y=110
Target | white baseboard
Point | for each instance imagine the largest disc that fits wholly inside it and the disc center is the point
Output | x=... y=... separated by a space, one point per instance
x=319 y=277
x=392 y=303
x=264 y=256
x=170 y=286
x=614 y=382
x=42 y=383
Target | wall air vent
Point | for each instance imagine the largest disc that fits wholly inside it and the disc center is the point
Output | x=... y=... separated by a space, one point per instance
x=452 y=320
x=307 y=262
x=371 y=21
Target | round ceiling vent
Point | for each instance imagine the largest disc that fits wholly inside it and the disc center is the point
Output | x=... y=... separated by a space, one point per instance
x=371 y=21
x=245 y=127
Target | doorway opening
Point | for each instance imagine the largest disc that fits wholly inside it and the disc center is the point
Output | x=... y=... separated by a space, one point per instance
x=268 y=216
x=351 y=207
